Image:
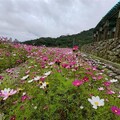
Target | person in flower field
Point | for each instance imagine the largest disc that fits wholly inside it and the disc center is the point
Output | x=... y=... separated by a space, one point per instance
x=75 y=48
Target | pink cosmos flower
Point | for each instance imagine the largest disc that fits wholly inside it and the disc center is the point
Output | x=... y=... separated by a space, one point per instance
x=45 y=58
x=8 y=54
x=7 y=92
x=115 y=110
x=95 y=78
x=106 y=100
x=94 y=68
x=15 y=102
x=59 y=71
x=89 y=73
x=10 y=70
x=88 y=69
x=110 y=92
x=18 y=61
x=77 y=83
x=27 y=72
x=102 y=70
x=99 y=77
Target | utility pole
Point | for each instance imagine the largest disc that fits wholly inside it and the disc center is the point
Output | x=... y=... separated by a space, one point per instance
x=73 y=42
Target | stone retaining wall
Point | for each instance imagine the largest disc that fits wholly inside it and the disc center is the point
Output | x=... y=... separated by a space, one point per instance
x=107 y=49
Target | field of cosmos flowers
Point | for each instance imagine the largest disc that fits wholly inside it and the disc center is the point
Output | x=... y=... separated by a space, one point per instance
x=40 y=83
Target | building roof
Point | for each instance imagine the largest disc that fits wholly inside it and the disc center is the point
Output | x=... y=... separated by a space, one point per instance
x=112 y=12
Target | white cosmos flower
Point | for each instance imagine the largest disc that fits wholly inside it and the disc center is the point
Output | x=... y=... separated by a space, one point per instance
x=43 y=76
x=28 y=56
x=37 y=78
x=47 y=73
x=69 y=53
x=24 y=93
x=6 y=90
x=51 y=63
x=96 y=101
x=81 y=107
x=100 y=88
x=1 y=116
x=113 y=80
x=25 y=77
x=44 y=84
x=14 y=54
x=73 y=70
x=30 y=81
x=46 y=66
x=118 y=96
x=106 y=78
x=35 y=107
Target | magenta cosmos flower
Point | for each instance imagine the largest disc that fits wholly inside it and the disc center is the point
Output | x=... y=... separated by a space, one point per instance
x=107 y=83
x=86 y=79
x=115 y=110
x=13 y=117
x=77 y=82
x=25 y=97
x=1 y=77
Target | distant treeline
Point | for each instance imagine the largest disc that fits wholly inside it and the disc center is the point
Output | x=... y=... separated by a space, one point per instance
x=79 y=39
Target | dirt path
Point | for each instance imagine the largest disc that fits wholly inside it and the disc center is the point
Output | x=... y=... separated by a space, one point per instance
x=112 y=69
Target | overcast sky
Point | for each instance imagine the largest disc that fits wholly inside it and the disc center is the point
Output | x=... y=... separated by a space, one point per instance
x=29 y=19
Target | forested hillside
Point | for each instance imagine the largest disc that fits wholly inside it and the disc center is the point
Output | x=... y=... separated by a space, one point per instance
x=80 y=39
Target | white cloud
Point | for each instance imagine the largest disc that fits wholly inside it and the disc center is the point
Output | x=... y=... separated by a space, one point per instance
x=29 y=19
